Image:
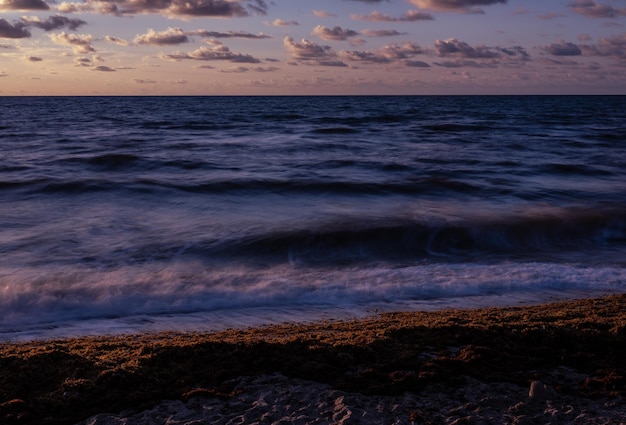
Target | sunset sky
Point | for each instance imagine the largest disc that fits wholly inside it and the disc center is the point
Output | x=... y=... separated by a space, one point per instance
x=233 y=47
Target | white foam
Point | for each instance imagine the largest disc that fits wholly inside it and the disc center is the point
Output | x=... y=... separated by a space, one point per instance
x=190 y=296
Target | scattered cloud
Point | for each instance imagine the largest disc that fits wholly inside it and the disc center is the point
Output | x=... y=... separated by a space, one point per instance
x=103 y=68
x=387 y=54
x=227 y=34
x=612 y=47
x=53 y=22
x=116 y=40
x=463 y=6
x=323 y=14
x=23 y=5
x=563 y=49
x=169 y=8
x=81 y=43
x=242 y=69
x=410 y=16
x=281 y=23
x=311 y=53
x=417 y=64
x=334 y=34
x=456 y=48
x=218 y=52
x=595 y=9
x=381 y=33
x=15 y=30
x=162 y=38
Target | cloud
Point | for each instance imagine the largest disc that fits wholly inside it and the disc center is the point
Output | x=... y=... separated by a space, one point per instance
x=311 y=53
x=611 y=47
x=463 y=6
x=81 y=43
x=53 y=22
x=242 y=69
x=454 y=47
x=461 y=63
x=162 y=38
x=228 y=34
x=334 y=34
x=281 y=23
x=103 y=68
x=460 y=54
x=323 y=14
x=16 y=30
x=410 y=16
x=144 y=81
x=33 y=59
x=82 y=61
x=169 y=8
x=116 y=40
x=563 y=49
x=417 y=64
x=381 y=33
x=23 y=5
x=218 y=52
x=387 y=54
x=595 y=9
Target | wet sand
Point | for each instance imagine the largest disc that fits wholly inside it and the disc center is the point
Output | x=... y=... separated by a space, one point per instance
x=552 y=363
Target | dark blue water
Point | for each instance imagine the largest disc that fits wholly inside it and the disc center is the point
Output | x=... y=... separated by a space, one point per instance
x=127 y=213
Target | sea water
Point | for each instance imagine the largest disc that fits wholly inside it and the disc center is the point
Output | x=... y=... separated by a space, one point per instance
x=131 y=214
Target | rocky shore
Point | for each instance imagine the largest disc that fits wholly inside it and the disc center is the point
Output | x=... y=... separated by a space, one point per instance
x=557 y=363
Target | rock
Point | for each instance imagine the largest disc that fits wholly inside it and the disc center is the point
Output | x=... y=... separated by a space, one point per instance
x=538 y=391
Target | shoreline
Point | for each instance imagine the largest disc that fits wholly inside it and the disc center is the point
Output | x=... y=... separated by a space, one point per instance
x=574 y=347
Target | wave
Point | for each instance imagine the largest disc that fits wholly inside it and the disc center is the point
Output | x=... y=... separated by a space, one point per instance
x=529 y=235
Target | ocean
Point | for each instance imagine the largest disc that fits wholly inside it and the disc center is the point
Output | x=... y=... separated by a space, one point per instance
x=142 y=214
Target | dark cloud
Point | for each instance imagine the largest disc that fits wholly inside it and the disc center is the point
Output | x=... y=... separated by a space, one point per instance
x=334 y=34
x=171 y=8
x=16 y=30
x=227 y=34
x=311 y=53
x=454 y=47
x=218 y=52
x=23 y=5
x=417 y=64
x=34 y=59
x=144 y=81
x=464 y=6
x=410 y=16
x=611 y=47
x=103 y=68
x=460 y=54
x=162 y=38
x=595 y=9
x=53 y=22
x=563 y=49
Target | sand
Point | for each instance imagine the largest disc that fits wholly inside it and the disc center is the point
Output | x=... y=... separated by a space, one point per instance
x=558 y=363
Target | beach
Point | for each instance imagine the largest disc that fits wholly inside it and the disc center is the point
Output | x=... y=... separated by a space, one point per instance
x=552 y=363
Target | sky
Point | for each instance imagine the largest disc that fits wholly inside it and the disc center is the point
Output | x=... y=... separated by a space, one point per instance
x=304 y=47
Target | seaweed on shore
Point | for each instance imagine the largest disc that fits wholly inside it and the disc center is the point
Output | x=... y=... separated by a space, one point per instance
x=64 y=381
